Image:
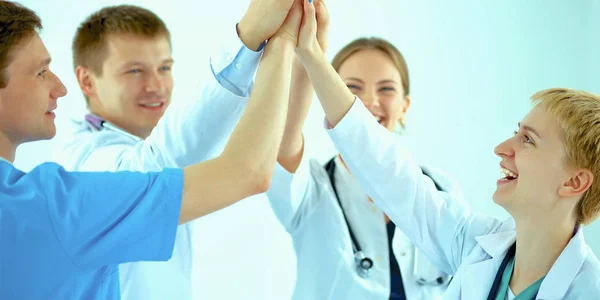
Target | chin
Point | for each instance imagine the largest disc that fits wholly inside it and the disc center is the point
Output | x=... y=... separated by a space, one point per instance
x=499 y=198
x=49 y=133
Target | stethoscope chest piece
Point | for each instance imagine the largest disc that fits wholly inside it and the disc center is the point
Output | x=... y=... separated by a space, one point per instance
x=363 y=264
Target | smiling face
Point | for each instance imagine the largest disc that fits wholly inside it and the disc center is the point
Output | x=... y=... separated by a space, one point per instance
x=30 y=97
x=371 y=75
x=537 y=180
x=136 y=84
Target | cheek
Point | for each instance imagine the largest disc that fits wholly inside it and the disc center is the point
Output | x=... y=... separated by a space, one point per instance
x=539 y=172
x=127 y=90
x=168 y=84
x=393 y=108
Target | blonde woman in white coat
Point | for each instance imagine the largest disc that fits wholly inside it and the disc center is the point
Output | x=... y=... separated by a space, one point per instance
x=332 y=222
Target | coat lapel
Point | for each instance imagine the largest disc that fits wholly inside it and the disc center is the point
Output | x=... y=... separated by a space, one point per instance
x=478 y=277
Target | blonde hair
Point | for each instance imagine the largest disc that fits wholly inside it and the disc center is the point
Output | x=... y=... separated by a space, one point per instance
x=376 y=44
x=578 y=115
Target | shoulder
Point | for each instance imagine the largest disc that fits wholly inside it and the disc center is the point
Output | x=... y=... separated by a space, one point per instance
x=75 y=150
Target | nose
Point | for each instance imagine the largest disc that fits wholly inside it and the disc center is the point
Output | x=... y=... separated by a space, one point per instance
x=506 y=148
x=59 y=89
x=154 y=83
x=370 y=98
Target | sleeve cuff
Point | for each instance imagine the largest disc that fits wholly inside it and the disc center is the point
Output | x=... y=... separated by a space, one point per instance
x=288 y=191
x=235 y=65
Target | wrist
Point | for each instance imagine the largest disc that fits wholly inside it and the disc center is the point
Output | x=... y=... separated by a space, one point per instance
x=311 y=57
x=279 y=44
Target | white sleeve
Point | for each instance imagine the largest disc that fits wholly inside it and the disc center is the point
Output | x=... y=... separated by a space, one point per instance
x=440 y=224
x=288 y=191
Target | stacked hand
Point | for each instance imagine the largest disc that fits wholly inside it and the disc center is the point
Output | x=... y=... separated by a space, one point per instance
x=304 y=23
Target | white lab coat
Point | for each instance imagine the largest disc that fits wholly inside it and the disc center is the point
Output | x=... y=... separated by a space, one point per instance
x=191 y=131
x=464 y=243
x=304 y=202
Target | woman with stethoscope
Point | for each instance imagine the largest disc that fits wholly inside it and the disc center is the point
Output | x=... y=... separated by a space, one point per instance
x=346 y=248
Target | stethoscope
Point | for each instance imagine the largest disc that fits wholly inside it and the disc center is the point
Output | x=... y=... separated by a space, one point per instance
x=364 y=263
x=98 y=123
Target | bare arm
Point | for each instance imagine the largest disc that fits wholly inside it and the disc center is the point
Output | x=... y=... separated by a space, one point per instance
x=334 y=95
x=301 y=95
x=246 y=165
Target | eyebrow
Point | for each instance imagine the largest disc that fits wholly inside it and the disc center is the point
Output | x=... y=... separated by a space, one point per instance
x=44 y=62
x=380 y=82
x=530 y=129
x=387 y=81
x=355 y=79
x=136 y=63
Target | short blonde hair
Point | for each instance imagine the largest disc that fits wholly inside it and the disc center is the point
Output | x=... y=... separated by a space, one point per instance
x=578 y=115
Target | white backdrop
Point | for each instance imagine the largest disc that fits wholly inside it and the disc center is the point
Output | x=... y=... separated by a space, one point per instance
x=473 y=66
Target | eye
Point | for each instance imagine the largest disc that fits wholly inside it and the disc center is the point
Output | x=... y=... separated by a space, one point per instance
x=165 y=68
x=387 y=89
x=134 y=71
x=526 y=138
x=42 y=73
x=353 y=87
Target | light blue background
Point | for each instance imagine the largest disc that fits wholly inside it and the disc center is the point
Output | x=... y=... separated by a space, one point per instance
x=473 y=65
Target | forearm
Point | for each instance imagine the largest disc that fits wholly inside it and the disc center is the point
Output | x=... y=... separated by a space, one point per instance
x=301 y=95
x=258 y=135
x=334 y=95
x=246 y=165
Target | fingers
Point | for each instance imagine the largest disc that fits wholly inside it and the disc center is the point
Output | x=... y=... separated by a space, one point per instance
x=321 y=12
x=308 y=29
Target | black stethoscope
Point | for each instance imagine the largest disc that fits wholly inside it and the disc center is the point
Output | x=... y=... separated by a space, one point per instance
x=98 y=124
x=363 y=263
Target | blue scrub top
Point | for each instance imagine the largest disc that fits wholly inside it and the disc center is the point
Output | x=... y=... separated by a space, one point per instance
x=63 y=234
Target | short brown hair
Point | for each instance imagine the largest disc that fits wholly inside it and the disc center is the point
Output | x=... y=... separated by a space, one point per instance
x=89 y=44
x=578 y=115
x=16 y=23
x=379 y=44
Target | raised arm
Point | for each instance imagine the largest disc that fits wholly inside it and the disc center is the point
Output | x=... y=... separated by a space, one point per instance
x=301 y=95
x=246 y=165
x=440 y=224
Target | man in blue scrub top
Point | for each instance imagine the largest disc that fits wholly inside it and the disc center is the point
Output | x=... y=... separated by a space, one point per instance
x=63 y=234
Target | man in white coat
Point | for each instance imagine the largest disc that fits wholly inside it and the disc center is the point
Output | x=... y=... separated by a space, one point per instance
x=122 y=60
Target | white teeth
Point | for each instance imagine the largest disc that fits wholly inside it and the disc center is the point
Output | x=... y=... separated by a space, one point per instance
x=508 y=173
x=156 y=104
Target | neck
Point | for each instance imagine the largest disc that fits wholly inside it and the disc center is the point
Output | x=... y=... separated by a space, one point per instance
x=7 y=148
x=143 y=134
x=539 y=244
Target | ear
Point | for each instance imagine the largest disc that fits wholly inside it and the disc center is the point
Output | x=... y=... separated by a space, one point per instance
x=86 y=81
x=406 y=104
x=579 y=182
